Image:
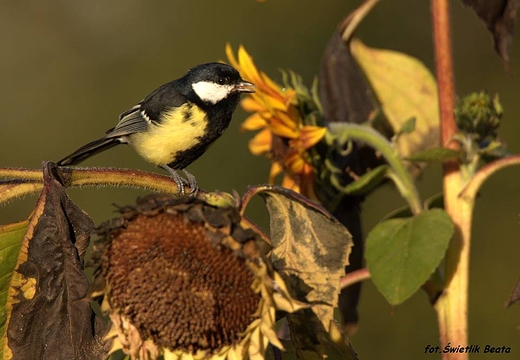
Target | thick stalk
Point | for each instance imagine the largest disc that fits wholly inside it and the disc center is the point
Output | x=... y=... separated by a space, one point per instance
x=452 y=305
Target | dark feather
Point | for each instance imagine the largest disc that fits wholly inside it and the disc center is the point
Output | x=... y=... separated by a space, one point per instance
x=131 y=123
x=88 y=150
x=164 y=98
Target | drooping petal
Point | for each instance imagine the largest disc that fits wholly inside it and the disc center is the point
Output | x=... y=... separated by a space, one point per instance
x=231 y=57
x=270 y=87
x=261 y=142
x=283 y=126
x=273 y=103
x=289 y=183
x=273 y=88
x=250 y=104
x=276 y=169
x=253 y=122
x=295 y=163
x=248 y=67
x=310 y=136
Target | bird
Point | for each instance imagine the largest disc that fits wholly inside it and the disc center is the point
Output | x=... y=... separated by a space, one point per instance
x=177 y=122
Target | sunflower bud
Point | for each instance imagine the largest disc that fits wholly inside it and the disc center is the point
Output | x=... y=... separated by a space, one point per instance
x=479 y=114
x=182 y=278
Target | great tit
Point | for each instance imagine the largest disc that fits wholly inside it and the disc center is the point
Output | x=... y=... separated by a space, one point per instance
x=177 y=122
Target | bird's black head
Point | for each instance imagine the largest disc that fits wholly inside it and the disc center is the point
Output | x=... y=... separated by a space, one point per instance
x=215 y=82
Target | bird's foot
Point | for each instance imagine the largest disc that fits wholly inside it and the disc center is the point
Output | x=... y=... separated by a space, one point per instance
x=181 y=182
x=192 y=182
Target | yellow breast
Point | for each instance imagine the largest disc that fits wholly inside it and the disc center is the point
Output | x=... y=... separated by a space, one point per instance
x=179 y=130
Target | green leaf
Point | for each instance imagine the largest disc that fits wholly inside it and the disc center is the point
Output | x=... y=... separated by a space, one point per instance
x=435 y=155
x=402 y=253
x=11 y=237
x=409 y=126
x=405 y=89
x=435 y=201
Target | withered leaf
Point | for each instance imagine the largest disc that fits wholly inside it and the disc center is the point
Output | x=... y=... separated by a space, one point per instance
x=50 y=317
x=346 y=96
x=499 y=17
x=344 y=92
x=334 y=346
x=310 y=251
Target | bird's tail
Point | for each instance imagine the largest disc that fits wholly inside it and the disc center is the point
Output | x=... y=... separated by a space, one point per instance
x=88 y=150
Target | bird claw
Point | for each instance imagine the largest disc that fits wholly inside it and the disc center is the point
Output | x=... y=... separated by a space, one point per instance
x=190 y=181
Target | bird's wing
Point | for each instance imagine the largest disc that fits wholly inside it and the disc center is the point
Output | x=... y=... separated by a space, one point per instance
x=130 y=122
x=148 y=111
x=163 y=99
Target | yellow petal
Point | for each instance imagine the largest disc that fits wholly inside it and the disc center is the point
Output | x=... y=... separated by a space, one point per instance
x=186 y=356
x=288 y=121
x=273 y=103
x=283 y=300
x=311 y=135
x=274 y=88
x=276 y=169
x=253 y=122
x=280 y=129
x=168 y=355
x=289 y=183
x=261 y=142
x=282 y=125
x=233 y=355
x=231 y=57
x=290 y=96
x=251 y=104
x=248 y=67
x=255 y=346
x=295 y=163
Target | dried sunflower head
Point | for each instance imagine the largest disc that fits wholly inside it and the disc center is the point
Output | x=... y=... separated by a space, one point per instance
x=183 y=279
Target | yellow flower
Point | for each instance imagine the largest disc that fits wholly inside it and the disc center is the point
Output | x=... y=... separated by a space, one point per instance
x=283 y=136
x=184 y=286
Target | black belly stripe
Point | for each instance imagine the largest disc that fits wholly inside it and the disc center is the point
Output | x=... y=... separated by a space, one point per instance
x=187 y=113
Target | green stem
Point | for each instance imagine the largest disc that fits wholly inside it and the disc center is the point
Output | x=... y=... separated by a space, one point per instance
x=470 y=191
x=397 y=173
x=21 y=182
x=452 y=305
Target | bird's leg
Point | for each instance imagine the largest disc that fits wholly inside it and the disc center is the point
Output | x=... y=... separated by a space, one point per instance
x=192 y=182
x=177 y=178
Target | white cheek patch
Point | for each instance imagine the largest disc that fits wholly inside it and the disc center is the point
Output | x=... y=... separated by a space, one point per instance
x=210 y=92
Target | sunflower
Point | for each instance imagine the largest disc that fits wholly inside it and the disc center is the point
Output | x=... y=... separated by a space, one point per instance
x=184 y=280
x=284 y=136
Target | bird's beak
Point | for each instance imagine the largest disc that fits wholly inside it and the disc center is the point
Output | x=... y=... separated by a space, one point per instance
x=245 y=86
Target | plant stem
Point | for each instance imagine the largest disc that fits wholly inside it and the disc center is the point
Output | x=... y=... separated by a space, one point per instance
x=452 y=305
x=398 y=173
x=354 y=277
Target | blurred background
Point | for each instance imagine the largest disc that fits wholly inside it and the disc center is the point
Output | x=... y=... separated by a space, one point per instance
x=68 y=69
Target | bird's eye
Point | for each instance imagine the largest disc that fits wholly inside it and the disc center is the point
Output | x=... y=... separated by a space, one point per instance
x=221 y=81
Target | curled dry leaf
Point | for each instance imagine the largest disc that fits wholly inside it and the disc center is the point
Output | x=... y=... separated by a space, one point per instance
x=48 y=315
x=499 y=17
x=310 y=251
